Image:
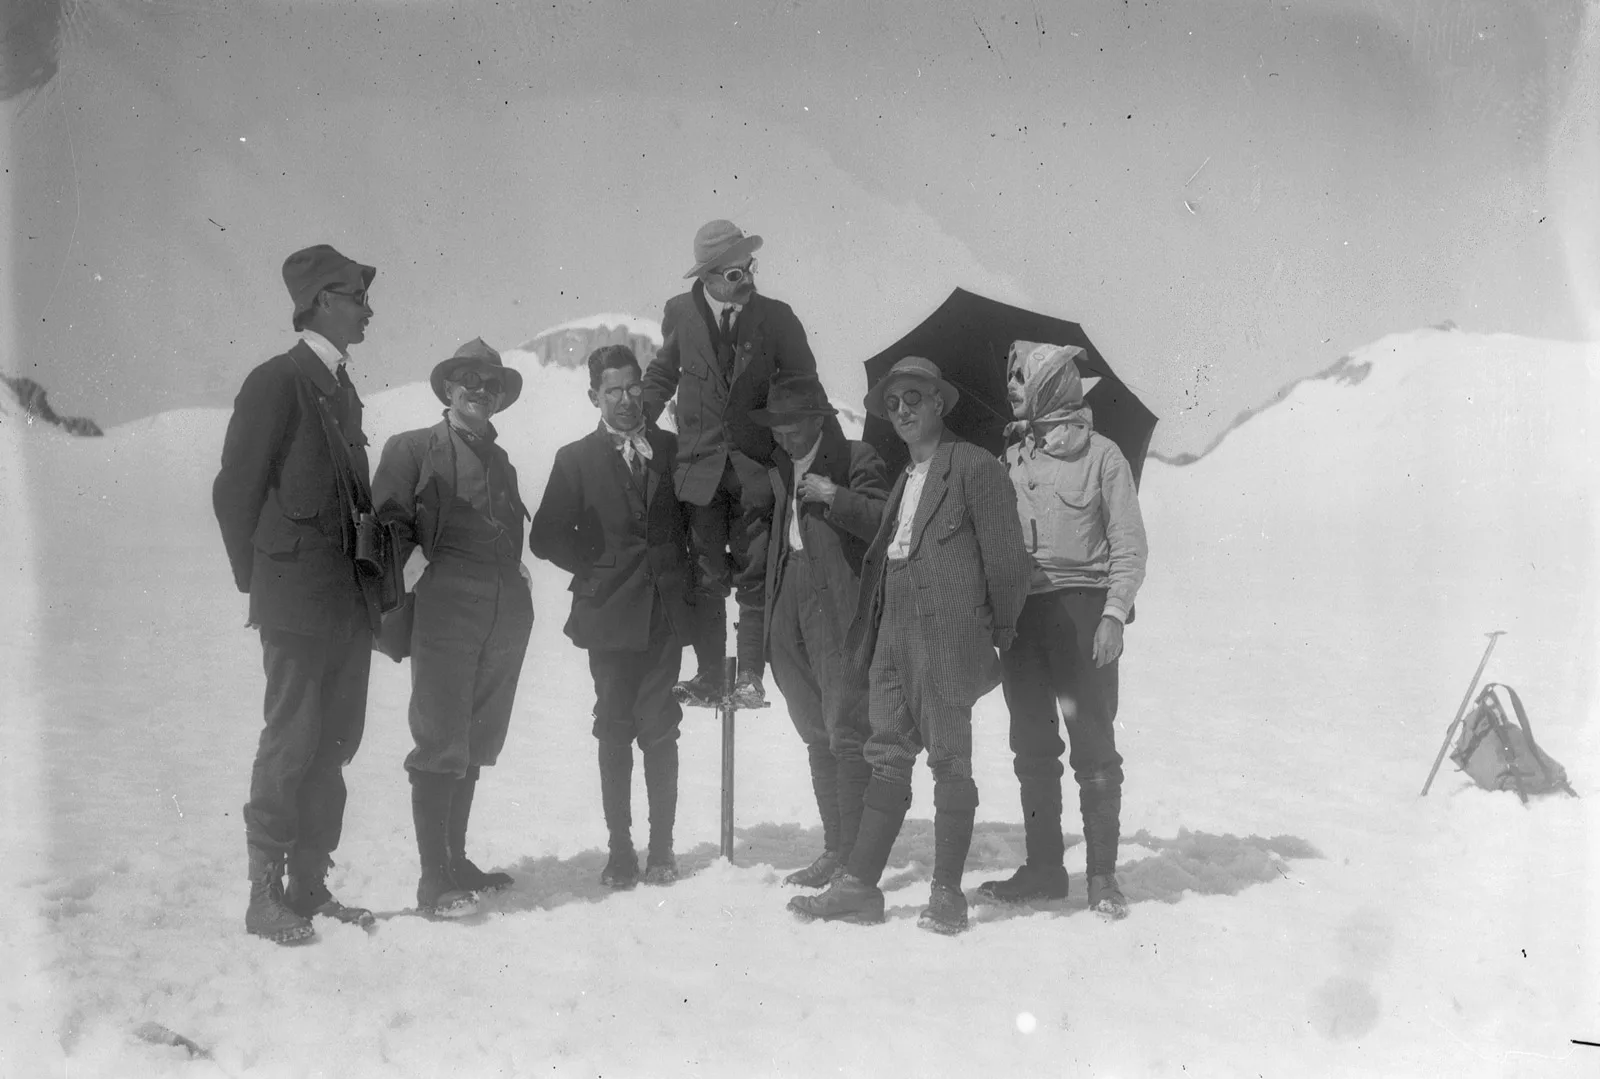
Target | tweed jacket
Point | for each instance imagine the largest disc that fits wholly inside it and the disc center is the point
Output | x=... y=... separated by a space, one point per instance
x=714 y=403
x=286 y=518
x=967 y=564
x=415 y=486
x=833 y=538
x=626 y=544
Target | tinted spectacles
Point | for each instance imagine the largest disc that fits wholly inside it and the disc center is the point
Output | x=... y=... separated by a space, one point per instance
x=910 y=398
x=734 y=274
x=472 y=380
x=616 y=393
x=358 y=298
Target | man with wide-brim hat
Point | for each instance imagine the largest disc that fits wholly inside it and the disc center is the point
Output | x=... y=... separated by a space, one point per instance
x=829 y=495
x=451 y=491
x=723 y=343
x=942 y=584
x=288 y=497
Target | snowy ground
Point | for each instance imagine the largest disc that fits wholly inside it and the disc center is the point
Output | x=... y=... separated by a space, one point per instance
x=1319 y=590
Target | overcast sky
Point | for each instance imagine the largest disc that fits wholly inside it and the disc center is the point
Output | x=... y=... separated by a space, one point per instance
x=1227 y=195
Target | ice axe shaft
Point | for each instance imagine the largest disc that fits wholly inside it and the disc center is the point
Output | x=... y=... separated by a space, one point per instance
x=730 y=673
x=1451 y=730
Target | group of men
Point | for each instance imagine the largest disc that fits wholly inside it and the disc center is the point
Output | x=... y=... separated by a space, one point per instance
x=887 y=606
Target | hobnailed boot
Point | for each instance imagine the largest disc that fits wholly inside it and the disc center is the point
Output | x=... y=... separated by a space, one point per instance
x=711 y=642
x=616 y=798
x=946 y=912
x=438 y=893
x=847 y=899
x=1100 y=799
x=825 y=785
x=308 y=895
x=1042 y=876
x=748 y=692
x=267 y=916
x=466 y=874
x=661 y=791
x=854 y=895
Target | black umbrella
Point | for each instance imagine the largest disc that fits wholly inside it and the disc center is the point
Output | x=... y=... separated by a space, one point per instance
x=969 y=337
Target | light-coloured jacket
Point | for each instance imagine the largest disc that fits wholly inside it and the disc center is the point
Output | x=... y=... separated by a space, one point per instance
x=1080 y=519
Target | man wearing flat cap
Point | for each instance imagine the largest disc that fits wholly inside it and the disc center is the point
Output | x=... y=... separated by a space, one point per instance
x=941 y=587
x=290 y=499
x=723 y=342
x=829 y=495
x=451 y=490
x=610 y=518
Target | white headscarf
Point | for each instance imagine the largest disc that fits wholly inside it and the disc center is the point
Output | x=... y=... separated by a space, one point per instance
x=1054 y=417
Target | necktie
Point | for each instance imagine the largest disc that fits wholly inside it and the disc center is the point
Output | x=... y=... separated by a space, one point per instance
x=727 y=324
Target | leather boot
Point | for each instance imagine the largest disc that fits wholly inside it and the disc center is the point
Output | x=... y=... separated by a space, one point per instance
x=308 y=894
x=438 y=893
x=1043 y=875
x=661 y=791
x=466 y=874
x=1100 y=800
x=267 y=916
x=848 y=899
x=825 y=785
x=616 y=800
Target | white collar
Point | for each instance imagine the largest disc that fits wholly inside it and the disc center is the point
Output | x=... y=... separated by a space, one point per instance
x=804 y=463
x=324 y=349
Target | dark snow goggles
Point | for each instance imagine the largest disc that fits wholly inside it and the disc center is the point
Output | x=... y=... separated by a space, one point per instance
x=471 y=380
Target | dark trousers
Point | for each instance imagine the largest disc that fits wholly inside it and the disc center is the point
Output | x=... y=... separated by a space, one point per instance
x=729 y=539
x=633 y=690
x=316 y=708
x=473 y=620
x=906 y=712
x=1049 y=676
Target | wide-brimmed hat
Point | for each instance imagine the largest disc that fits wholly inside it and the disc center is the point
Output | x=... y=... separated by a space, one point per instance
x=478 y=355
x=911 y=367
x=312 y=269
x=720 y=242
x=791 y=399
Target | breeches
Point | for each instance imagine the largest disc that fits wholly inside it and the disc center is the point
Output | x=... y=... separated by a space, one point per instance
x=471 y=632
x=828 y=706
x=633 y=690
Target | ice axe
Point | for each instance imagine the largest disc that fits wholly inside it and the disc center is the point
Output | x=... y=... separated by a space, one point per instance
x=1454 y=723
x=730 y=673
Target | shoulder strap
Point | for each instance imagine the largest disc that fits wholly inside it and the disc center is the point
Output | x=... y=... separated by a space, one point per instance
x=1527 y=729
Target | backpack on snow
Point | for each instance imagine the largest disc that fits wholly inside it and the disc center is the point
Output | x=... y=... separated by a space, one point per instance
x=1500 y=755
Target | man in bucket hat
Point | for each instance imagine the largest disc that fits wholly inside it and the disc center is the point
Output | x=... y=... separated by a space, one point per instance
x=829 y=494
x=451 y=490
x=941 y=586
x=723 y=342
x=288 y=497
x=610 y=518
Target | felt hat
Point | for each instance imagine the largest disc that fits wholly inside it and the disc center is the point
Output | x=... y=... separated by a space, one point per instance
x=911 y=367
x=791 y=399
x=719 y=243
x=479 y=356
x=312 y=269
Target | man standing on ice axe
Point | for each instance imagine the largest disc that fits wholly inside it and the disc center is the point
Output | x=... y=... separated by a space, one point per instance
x=829 y=500
x=941 y=586
x=294 y=504
x=610 y=518
x=1081 y=522
x=722 y=344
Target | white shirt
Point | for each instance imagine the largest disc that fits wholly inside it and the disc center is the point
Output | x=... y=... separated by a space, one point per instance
x=325 y=350
x=800 y=467
x=916 y=477
x=716 y=313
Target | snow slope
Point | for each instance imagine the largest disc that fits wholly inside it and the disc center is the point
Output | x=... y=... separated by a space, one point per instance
x=1318 y=592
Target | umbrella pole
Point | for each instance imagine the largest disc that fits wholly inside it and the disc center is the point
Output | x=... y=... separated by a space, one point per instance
x=1451 y=730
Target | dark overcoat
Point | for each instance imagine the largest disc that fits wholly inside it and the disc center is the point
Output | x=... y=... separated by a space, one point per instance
x=625 y=543
x=284 y=514
x=968 y=567
x=833 y=538
x=415 y=486
x=715 y=397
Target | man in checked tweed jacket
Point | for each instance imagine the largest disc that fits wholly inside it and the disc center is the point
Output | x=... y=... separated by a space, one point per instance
x=941 y=588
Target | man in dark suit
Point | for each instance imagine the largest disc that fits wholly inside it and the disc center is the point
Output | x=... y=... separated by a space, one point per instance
x=610 y=518
x=451 y=490
x=941 y=587
x=722 y=344
x=292 y=487
x=829 y=501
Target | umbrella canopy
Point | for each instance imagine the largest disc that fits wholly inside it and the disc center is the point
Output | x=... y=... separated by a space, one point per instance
x=969 y=337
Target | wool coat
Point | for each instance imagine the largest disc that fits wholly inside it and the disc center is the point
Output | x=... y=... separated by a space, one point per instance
x=833 y=538
x=285 y=513
x=624 y=541
x=718 y=385
x=968 y=567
